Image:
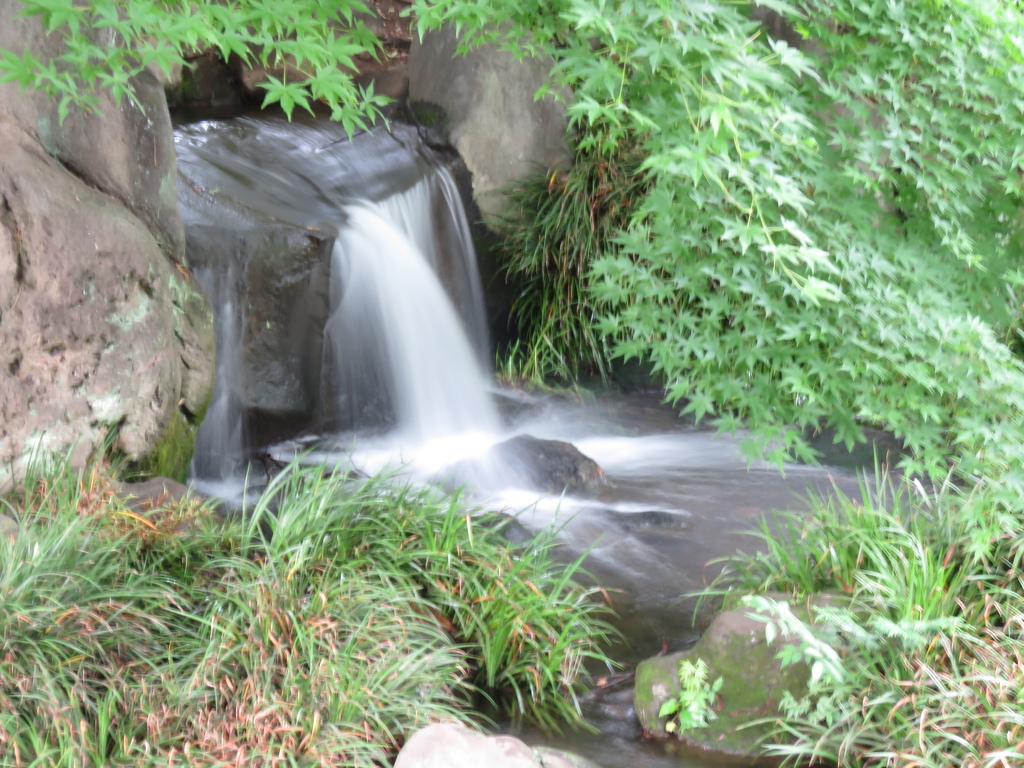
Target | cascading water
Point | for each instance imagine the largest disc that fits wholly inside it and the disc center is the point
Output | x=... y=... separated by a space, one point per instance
x=220 y=454
x=394 y=327
x=400 y=348
x=432 y=216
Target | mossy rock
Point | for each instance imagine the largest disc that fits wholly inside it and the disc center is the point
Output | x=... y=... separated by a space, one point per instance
x=430 y=116
x=433 y=121
x=735 y=648
x=173 y=452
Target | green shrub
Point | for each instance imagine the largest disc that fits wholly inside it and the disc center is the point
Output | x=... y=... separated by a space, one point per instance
x=923 y=667
x=899 y=547
x=828 y=236
x=325 y=626
x=560 y=225
x=522 y=621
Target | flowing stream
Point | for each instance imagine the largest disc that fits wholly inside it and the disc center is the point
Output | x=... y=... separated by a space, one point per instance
x=386 y=345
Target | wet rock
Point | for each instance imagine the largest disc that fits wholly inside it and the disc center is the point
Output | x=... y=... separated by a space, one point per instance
x=205 y=82
x=508 y=527
x=276 y=295
x=612 y=712
x=546 y=757
x=649 y=520
x=753 y=681
x=468 y=100
x=515 y=407
x=392 y=82
x=449 y=745
x=525 y=461
x=553 y=466
x=252 y=73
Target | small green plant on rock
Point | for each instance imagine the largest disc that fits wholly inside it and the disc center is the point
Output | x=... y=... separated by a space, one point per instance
x=693 y=706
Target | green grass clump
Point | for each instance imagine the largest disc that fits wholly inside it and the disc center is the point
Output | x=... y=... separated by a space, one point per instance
x=925 y=665
x=321 y=629
x=560 y=225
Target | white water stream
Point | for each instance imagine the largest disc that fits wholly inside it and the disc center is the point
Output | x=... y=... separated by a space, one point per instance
x=221 y=451
x=390 y=310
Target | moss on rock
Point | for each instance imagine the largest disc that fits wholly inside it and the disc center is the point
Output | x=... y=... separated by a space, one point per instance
x=430 y=116
x=173 y=452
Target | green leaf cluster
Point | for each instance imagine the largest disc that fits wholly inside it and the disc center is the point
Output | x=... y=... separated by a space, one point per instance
x=106 y=43
x=693 y=706
x=830 y=236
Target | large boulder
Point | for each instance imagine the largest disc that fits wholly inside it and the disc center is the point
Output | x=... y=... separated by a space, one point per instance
x=124 y=149
x=483 y=104
x=449 y=745
x=735 y=648
x=101 y=333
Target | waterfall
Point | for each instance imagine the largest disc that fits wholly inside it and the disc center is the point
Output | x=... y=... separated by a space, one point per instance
x=432 y=216
x=220 y=452
x=393 y=325
x=346 y=289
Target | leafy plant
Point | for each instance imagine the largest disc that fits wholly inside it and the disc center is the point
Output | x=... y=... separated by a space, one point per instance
x=323 y=627
x=109 y=42
x=694 y=705
x=912 y=692
x=827 y=236
x=526 y=628
x=559 y=225
x=908 y=663
x=898 y=544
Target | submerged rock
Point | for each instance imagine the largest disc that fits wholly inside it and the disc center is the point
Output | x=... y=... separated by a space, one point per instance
x=450 y=745
x=525 y=461
x=647 y=521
